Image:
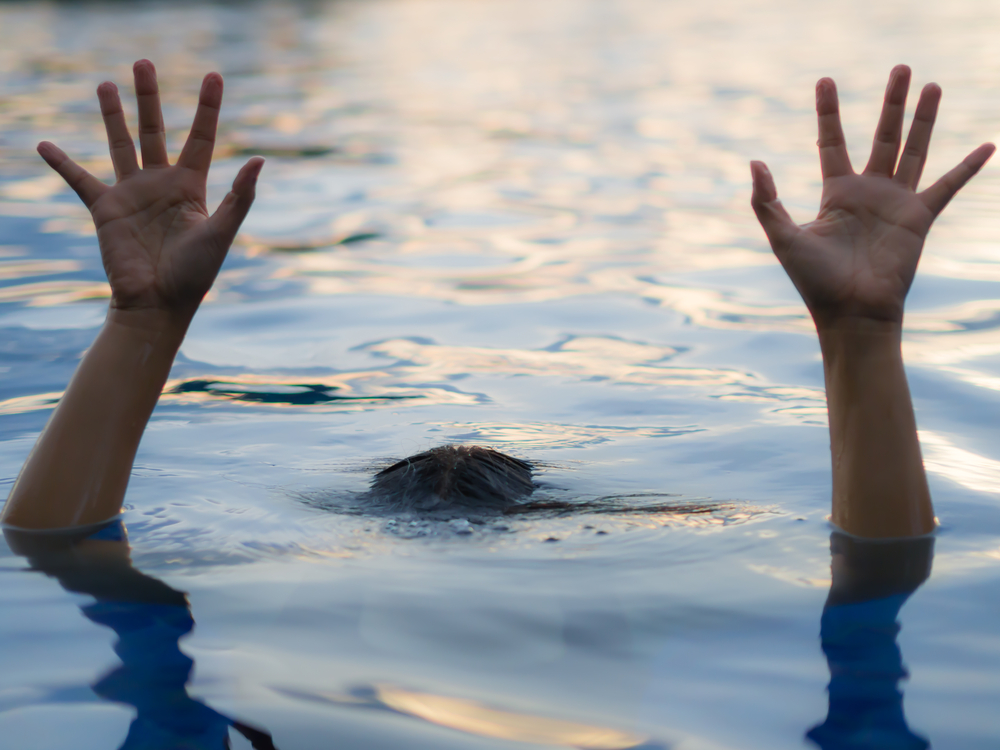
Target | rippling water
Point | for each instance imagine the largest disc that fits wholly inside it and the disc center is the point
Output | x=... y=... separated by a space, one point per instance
x=524 y=225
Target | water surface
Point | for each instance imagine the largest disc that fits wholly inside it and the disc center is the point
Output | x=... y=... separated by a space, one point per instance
x=523 y=225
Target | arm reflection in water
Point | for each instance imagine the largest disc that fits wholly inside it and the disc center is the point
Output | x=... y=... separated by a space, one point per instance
x=871 y=582
x=149 y=618
x=853 y=266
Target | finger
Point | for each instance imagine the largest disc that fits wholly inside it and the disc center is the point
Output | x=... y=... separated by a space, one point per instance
x=833 y=158
x=122 y=148
x=938 y=195
x=197 y=153
x=226 y=221
x=152 y=135
x=88 y=187
x=889 y=132
x=777 y=224
x=911 y=163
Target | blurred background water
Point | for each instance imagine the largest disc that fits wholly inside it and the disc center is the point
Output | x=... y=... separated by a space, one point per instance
x=523 y=225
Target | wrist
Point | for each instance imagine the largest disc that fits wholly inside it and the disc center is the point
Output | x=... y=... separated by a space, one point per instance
x=161 y=329
x=859 y=334
x=858 y=314
x=860 y=357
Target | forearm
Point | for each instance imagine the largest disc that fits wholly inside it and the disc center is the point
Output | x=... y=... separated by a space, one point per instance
x=79 y=469
x=879 y=486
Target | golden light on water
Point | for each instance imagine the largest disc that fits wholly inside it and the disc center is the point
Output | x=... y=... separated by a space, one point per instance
x=972 y=470
x=536 y=435
x=482 y=720
x=485 y=721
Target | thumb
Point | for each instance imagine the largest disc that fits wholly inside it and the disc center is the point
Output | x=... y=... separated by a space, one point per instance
x=777 y=224
x=228 y=217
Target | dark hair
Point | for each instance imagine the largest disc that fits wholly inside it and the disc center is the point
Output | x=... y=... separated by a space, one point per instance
x=454 y=476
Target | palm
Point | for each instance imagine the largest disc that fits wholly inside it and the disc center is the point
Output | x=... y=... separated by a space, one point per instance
x=153 y=237
x=160 y=247
x=858 y=258
x=860 y=254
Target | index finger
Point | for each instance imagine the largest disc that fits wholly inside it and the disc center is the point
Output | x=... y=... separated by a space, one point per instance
x=833 y=158
x=197 y=153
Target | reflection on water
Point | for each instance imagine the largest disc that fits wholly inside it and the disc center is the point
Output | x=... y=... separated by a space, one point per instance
x=871 y=583
x=148 y=618
x=522 y=225
x=292 y=394
x=487 y=721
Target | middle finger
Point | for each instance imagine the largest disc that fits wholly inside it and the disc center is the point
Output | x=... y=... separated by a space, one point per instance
x=152 y=135
x=889 y=132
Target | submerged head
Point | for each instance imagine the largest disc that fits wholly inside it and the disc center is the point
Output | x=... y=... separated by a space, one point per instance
x=454 y=477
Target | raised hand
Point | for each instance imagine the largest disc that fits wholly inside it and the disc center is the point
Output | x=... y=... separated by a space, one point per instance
x=858 y=258
x=162 y=251
x=161 y=248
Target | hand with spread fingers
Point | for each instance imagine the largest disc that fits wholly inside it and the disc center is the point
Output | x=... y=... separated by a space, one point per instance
x=853 y=267
x=161 y=248
x=162 y=251
x=858 y=258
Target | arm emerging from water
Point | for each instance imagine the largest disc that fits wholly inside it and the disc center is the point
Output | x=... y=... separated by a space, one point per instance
x=853 y=266
x=162 y=251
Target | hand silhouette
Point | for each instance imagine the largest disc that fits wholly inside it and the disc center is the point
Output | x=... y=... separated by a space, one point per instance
x=858 y=258
x=160 y=247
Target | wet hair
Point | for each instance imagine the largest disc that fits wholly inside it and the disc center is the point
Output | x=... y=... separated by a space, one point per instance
x=472 y=482
x=454 y=477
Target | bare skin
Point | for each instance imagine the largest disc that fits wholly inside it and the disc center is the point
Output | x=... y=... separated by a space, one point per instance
x=161 y=248
x=854 y=265
x=162 y=251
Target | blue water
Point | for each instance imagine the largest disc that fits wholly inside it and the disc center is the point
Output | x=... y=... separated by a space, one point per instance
x=523 y=225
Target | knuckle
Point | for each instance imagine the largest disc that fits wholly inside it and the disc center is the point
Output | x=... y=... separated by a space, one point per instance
x=202 y=135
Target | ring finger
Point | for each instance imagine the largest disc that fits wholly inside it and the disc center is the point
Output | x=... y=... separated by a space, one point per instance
x=120 y=142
